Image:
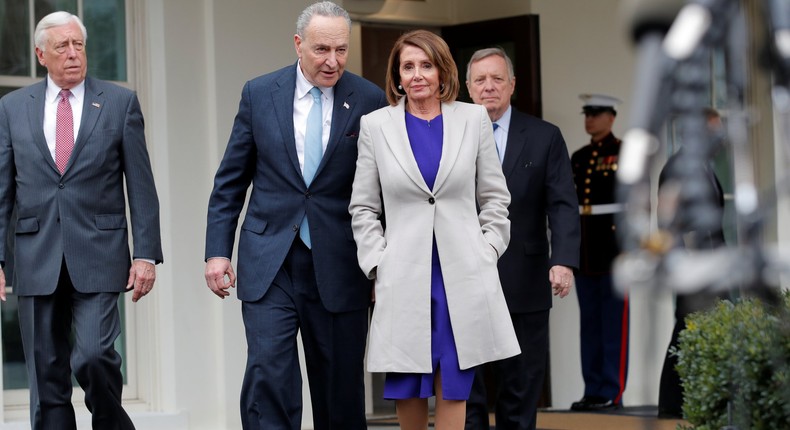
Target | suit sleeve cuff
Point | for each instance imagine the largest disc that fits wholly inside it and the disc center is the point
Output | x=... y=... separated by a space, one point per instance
x=147 y=260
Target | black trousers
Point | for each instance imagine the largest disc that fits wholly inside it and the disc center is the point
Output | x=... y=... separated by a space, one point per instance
x=670 y=391
x=518 y=380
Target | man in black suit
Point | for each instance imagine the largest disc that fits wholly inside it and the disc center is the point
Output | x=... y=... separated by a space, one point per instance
x=538 y=171
x=670 y=181
x=297 y=261
x=72 y=151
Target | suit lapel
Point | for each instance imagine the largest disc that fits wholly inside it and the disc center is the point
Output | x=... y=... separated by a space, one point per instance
x=453 y=129
x=35 y=110
x=91 y=110
x=283 y=102
x=516 y=144
x=342 y=110
x=397 y=138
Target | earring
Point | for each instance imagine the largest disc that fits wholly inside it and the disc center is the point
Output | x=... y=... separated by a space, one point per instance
x=400 y=87
x=441 y=87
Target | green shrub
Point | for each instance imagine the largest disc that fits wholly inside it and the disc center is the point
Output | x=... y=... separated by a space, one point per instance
x=736 y=354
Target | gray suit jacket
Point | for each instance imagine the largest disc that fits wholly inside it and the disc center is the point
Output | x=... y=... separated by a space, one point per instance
x=81 y=215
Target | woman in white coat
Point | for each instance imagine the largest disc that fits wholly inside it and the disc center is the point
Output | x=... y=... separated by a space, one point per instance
x=425 y=165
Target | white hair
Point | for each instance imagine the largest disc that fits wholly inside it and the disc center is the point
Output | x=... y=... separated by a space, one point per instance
x=322 y=8
x=56 y=19
x=489 y=52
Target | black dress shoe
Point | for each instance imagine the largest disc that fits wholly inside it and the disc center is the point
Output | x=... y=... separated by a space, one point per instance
x=669 y=414
x=595 y=403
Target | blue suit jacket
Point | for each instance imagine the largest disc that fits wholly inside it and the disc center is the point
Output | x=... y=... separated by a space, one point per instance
x=539 y=177
x=81 y=215
x=262 y=152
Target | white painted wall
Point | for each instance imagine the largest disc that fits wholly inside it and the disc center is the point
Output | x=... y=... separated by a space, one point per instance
x=434 y=12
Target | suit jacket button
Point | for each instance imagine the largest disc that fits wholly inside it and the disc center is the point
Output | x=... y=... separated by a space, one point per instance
x=431 y=200
x=61 y=186
x=307 y=194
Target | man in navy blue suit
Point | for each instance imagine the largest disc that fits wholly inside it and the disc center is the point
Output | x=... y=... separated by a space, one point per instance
x=538 y=172
x=297 y=265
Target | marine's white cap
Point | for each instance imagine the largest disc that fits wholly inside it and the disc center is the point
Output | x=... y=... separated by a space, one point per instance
x=597 y=103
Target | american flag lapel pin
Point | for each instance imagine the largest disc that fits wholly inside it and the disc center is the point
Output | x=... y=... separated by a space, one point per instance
x=96 y=105
x=345 y=105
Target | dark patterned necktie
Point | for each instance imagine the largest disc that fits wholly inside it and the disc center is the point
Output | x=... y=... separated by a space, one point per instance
x=64 y=131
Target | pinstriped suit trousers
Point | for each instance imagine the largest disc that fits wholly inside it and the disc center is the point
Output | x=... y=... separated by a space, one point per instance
x=52 y=355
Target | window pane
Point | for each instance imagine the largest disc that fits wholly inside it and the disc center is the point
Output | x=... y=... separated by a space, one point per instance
x=6 y=90
x=46 y=7
x=719 y=78
x=15 y=49
x=106 y=24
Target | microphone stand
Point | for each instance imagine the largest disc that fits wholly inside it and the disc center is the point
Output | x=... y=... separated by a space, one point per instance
x=676 y=86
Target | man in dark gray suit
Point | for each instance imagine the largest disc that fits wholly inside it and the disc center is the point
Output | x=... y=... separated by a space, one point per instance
x=297 y=261
x=538 y=172
x=67 y=145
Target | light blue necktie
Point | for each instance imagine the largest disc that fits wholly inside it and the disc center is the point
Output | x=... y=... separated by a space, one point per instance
x=496 y=143
x=313 y=151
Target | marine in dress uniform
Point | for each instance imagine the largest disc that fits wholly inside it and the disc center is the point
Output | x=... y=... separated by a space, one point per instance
x=603 y=311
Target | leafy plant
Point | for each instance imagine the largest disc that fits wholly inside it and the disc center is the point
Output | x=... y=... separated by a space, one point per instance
x=733 y=363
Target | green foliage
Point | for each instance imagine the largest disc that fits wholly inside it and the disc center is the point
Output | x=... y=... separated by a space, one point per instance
x=738 y=354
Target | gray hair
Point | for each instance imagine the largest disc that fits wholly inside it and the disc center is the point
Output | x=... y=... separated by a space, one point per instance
x=323 y=8
x=56 y=19
x=488 y=52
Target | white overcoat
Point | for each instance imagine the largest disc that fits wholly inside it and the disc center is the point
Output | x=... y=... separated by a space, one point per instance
x=388 y=184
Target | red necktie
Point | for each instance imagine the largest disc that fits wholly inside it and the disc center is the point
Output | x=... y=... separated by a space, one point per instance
x=64 y=131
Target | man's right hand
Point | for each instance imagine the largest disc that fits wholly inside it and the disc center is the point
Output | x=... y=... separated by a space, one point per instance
x=217 y=269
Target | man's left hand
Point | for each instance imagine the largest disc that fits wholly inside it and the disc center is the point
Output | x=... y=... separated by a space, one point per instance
x=561 y=278
x=141 y=277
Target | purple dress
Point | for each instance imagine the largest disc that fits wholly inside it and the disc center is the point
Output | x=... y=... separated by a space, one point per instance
x=425 y=138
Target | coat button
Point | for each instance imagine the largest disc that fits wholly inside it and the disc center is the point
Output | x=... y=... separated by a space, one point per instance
x=61 y=186
x=307 y=194
x=431 y=200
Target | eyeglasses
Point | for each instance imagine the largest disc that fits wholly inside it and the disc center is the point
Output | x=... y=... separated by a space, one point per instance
x=62 y=47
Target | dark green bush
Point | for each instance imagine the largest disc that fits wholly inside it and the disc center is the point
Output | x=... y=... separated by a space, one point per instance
x=737 y=354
